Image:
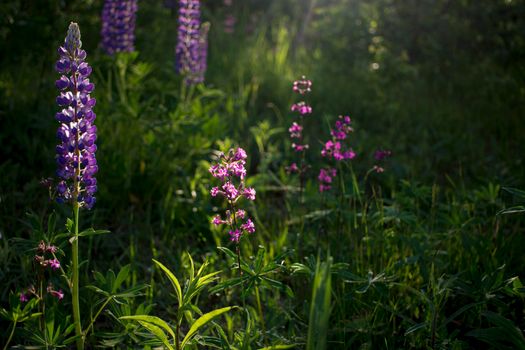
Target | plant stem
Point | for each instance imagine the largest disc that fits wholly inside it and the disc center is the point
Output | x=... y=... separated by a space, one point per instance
x=10 y=335
x=177 y=331
x=75 y=286
x=261 y=314
x=96 y=315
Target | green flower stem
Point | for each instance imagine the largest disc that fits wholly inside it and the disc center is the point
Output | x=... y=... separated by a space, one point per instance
x=261 y=314
x=10 y=335
x=75 y=286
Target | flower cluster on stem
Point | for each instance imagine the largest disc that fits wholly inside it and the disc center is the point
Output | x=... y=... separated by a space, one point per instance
x=77 y=134
x=192 y=43
x=44 y=260
x=335 y=149
x=302 y=87
x=118 y=26
x=231 y=171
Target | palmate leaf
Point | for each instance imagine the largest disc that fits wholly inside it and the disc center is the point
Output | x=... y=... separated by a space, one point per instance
x=203 y=320
x=174 y=281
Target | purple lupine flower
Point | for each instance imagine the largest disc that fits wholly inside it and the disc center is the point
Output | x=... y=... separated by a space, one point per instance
x=192 y=43
x=75 y=158
x=231 y=171
x=118 y=26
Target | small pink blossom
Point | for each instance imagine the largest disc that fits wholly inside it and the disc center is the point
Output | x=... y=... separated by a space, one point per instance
x=240 y=154
x=249 y=193
x=302 y=86
x=218 y=171
x=249 y=226
x=293 y=168
x=295 y=130
x=240 y=214
x=23 y=298
x=230 y=191
x=217 y=220
x=302 y=108
x=215 y=191
x=235 y=235
x=54 y=263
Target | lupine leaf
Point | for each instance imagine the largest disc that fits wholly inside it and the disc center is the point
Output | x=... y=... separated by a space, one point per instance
x=174 y=281
x=201 y=321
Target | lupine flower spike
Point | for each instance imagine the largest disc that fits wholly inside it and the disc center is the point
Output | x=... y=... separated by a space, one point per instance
x=118 y=26
x=75 y=158
x=192 y=43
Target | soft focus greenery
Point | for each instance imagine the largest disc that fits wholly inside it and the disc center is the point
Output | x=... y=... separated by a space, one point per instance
x=427 y=255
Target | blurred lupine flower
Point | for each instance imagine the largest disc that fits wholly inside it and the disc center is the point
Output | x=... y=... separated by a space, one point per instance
x=325 y=178
x=333 y=148
x=302 y=86
x=230 y=169
x=118 y=26
x=192 y=43
x=75 y=158
x=59 y=294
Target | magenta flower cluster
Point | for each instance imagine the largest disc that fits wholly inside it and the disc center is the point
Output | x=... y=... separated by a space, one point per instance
x=118 y=26
x=334 y=148
x=75 y=158
x=325 y=179
x=231 y=171
x=44 y=258
x=302 y=87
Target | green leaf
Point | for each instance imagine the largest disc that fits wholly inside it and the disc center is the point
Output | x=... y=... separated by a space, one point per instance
x=151 y=320
x=157 y=331
x=121 y=277
x=320 y=306
x=92 y=232
x=415 y=327
x=272 y=347
x=201 y=321
x=174 y=281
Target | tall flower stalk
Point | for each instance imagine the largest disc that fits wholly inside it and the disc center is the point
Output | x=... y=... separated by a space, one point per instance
x=118 y=26
x=302 y=86
x=231 y=172
x=192 y=43
x=75 y=158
